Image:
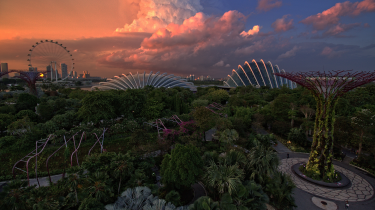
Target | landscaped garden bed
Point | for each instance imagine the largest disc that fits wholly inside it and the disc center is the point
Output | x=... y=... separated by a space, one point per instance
x=340 y=180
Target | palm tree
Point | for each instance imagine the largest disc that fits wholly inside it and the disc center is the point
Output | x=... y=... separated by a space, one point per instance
x=99 y=186
x=41 y=199
x=15 y=195
x=223 y=177
x=280 y=188
x=263 y=162
x=204 y=203
x=121 y=168
x=73 y=183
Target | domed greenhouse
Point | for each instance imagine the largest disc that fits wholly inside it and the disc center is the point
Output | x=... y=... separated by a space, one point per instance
x=258 y=74
x=136 y=81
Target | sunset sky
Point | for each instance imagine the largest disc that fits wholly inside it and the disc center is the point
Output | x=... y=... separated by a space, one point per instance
x=201 y=37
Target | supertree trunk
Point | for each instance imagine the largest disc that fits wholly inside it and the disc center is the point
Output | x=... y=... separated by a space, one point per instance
x=326 y=88
x=321 y=155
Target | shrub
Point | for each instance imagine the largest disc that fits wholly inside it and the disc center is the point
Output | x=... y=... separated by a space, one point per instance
x=21 y=114
x=173 y=197
x=281 y=128
x=297 y=136
x=199 y=102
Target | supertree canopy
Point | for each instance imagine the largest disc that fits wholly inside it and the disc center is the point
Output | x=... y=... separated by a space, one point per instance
x=30 y=77
x=326 y=89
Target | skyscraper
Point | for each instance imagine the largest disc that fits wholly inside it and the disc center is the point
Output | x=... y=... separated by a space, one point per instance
x=64 y=70
x=75 y=75
x=50 y=69
x=4 y=68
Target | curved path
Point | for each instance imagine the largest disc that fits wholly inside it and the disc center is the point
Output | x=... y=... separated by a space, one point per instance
x=360 y=189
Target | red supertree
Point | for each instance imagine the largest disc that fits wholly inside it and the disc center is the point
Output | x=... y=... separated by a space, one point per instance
x=326 y=89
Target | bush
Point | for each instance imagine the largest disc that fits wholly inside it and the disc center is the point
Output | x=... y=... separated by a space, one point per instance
x=7 y=109
x=91 y=203
x=297 y=136
x=26 y=101
x=199 y=102
x=173 y=197
x=246 y=113
x=281 y=128
x=240 y=126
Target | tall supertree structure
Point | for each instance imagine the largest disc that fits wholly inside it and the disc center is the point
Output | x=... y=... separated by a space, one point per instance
x=326 y=89
x=31 y=77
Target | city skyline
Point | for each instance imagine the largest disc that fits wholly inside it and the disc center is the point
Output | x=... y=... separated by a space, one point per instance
x=184 y=37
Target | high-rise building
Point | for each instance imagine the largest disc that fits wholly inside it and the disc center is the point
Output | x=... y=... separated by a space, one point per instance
x=64 y=70
x=201 y=78
x=4 y=68
x=86 y=74
x=50 y=69
x=192 y=77
x=75 y=75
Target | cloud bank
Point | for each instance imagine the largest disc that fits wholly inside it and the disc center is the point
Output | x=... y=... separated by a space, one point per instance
x=155 y=14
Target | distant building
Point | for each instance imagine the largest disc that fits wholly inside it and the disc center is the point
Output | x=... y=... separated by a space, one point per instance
x=191 y=77
x=51 y=71
x=64 y=70
x=201 y=78
x=4 y=68
x=80 y=76
x=86 y=74
x=75 y=75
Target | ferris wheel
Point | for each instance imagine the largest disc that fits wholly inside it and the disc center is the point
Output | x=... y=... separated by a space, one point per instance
x=53 y=56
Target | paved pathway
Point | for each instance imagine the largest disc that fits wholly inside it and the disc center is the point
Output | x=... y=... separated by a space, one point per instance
x=360 y=189
x=306 y=198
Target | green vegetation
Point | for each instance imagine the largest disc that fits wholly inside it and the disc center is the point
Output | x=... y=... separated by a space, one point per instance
x=124 y=174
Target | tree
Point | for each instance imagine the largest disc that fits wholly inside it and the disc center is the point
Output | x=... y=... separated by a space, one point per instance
x=223 y=177
x=21 y=126
x=97 y=106
x=21 y=114
x=121 y=167
x=5 y=120
x=173 y=197
x=45 y=111
x=205 y=119
x=100 y=186
x=297 y=136
x=280 y=189
x=182 y=167
x=15 y=195
x=26 y=101
x=91 y=203
x=199 y=102
x=263 y=162
x=308 y=113
x=292 y=113
x=228 y=136
x=363 y=121
x=204 y=203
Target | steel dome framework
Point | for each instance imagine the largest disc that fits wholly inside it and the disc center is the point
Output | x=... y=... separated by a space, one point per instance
x=258 y=74
x=137 y=81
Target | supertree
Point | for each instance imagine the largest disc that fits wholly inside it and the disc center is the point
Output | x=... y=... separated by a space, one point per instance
x=31 y=77
x=326 y=88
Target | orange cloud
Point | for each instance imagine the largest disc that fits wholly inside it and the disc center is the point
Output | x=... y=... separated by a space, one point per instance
x=266 y=5
x=331 y=16
x=154 y=14
x=282 y=24
x=253 y=31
